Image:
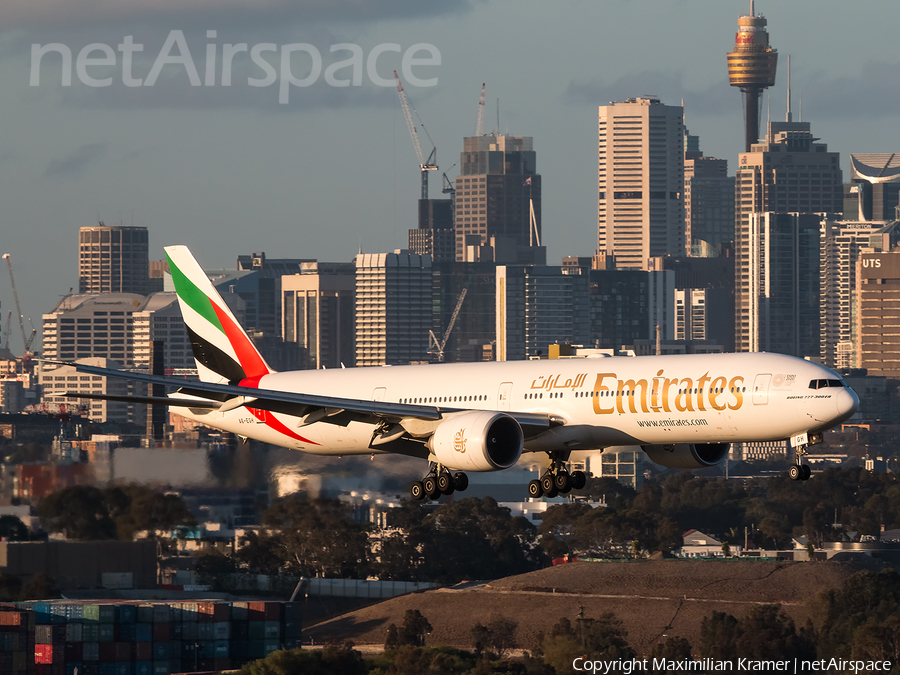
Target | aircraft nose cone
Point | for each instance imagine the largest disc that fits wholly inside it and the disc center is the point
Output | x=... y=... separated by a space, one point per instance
x=847 y=403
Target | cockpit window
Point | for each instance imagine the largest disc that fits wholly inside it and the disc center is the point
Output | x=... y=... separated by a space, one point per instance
x=822 y=384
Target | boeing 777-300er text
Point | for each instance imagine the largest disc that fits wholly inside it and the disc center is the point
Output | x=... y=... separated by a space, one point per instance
x=684 y=411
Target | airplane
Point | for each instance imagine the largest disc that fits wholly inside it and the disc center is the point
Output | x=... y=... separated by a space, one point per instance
x=684 y=411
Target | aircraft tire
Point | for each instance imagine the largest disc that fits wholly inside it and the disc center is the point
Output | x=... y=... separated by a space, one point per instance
x=579 y=480
x=431 y=489
x=417 y=491
x=807 y=472
x=563 y=482
x=551 y=493
x=547 y=483
x=535 y=490
x=795 y=472
x=445 y=483
x=460 y=481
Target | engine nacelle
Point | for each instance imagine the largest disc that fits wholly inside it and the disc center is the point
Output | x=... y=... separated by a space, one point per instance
x=477 y=441
x=687 y=455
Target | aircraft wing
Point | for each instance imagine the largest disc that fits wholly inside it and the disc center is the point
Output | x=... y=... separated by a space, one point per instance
x=312 y=407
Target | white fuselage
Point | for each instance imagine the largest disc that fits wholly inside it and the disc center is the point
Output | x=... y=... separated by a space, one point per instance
x=646 y=400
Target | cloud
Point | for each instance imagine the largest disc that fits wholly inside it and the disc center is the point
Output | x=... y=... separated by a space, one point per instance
x=35 y=13
x=873 y=93
x=669 y=87
x=76 y=161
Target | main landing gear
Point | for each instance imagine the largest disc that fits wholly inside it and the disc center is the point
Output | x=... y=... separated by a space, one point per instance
x=556 y=480
x=438 y=482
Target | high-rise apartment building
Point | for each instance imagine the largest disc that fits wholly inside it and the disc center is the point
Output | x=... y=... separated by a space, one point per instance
x=538 y=306
x=841 y=245
x=640 y=211
x=784 y=283
x=708 y=206
x=877 y=180
x=498 y=193
x=878 y=297
x=787 y=172
x=435 y=236
x=318 y=312
x=393 y=308
x=113 y=259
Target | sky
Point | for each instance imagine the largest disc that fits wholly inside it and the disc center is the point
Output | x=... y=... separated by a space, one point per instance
x=317 y=170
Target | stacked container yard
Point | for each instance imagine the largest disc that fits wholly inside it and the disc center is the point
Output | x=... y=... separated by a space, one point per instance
x=142 y=638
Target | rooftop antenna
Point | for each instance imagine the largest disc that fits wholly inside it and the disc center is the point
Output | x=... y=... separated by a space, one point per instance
x=752 y=13
x=498 y=116
x=801 y=105
x=789 y=116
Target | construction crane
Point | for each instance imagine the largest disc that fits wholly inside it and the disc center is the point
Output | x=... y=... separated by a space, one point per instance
x=6 y=334
x=426 y=165
x=25 y=340
x=479 y=125
x=437 y=347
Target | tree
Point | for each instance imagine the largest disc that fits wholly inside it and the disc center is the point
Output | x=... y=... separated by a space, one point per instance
x=414 y=628
x=319 y=537
x=261 y=553
x=13 y=529
x=498 y=637
x=79 y=512
x=718 y=636
x=602 y=638
x=675 y=648
x=213 y=567
x=39 y=587
x=766 y=632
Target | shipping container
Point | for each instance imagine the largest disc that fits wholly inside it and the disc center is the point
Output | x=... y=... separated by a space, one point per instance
x=126 y=613
x=13 y=618
x=272 y=630
x=125 y=632
x=144 y=614
x=123 y=651
x=190 y=631
x=90 y=651
x=143 y=651
x=161 y=651
x=161 y=614
x=73 y=651
x=239 y=611
x=99 y=613
x=49 y=634
x=143 y=668
x=221 y=630
x=206 y=631
x=74 y=632
x=143 y=632
x=240 y=630
x=162 y=632
x=45 y=653
x=90 y=632
x=106 y=632
x=161 y=668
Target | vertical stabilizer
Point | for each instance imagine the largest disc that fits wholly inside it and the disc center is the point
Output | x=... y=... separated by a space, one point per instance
x=222 y=350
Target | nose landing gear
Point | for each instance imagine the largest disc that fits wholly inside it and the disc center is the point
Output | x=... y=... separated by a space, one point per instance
x=439 y=481
x=801 y=443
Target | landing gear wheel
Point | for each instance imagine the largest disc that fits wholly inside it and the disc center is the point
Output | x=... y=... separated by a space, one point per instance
x=417 y=491
x=579 y=480
x=445 y=483
x=548 y=484
x=795 y=472
x=562 y=482
x=460 y=482
x=431 y=489
x=551 y=493
x=535 y=490
x=807 y=472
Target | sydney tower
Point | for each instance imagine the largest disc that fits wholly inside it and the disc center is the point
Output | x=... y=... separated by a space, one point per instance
x=751 y=68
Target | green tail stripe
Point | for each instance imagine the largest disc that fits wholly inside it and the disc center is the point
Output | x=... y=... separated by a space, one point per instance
x=193 y=296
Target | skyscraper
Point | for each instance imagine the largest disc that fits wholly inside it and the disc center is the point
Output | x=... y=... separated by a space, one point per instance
x=878 y=291
x=113 y=259
x=393 y=308
x=318 y=313
x=751 y=68
x=498 y=194
x=788 y=172
x=708 y=206
x=640 y=178
x=877 y=179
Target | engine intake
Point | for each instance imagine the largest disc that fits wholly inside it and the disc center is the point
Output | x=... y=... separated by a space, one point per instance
x=687 y=455
x=477 y=441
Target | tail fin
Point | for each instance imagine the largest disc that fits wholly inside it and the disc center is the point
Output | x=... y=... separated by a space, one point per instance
x=222 y=350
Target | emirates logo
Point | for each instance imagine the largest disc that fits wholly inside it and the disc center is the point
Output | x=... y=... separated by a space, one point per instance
x=459 y=441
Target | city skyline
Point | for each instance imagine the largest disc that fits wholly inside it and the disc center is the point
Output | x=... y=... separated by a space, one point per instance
x=334 y=171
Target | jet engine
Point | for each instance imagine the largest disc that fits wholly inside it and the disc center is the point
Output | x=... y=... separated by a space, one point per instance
x=477 y=441
x=687 y=455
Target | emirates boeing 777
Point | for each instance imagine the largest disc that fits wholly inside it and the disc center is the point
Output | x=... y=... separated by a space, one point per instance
x=684 y=411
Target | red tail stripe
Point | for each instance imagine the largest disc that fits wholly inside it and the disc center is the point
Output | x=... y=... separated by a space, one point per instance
x=249 y=358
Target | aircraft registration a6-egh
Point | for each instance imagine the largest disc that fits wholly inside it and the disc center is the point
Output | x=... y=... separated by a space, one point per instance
x=684 y=411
